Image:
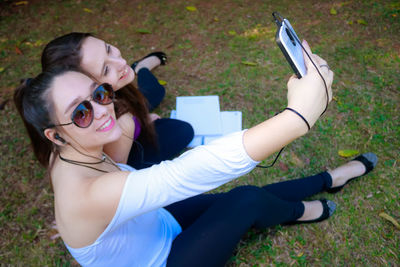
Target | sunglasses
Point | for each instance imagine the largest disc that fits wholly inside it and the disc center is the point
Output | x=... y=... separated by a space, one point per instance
x=83 y=114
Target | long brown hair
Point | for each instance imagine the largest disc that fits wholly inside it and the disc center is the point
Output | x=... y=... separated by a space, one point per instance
x=33 y=104
x=65 y=51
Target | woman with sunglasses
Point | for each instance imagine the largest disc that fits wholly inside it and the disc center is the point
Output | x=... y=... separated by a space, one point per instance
x=110 y=214
x=156 y=138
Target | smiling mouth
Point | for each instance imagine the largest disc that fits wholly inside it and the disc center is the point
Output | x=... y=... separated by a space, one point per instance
x=124 y=73
x=106 y=125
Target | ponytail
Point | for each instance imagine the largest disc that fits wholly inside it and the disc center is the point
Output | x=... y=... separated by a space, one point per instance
x=34 y=106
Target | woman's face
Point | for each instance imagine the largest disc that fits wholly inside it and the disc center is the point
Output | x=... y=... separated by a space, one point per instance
x=68 y=91
x=105 y=64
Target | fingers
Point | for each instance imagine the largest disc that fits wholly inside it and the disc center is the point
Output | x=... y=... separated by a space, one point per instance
x=306 y=46
x=307 y=60
x=292 y=79
x=320 y=63
x=317 y=60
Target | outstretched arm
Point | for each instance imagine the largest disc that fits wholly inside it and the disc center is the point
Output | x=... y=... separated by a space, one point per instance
x=307 y=96
x=207 y=167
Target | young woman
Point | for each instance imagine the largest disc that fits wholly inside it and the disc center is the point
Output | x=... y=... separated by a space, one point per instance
x=156 y=138
x=110 y=214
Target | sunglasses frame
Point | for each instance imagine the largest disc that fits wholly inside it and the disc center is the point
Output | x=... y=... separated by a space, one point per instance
x=104 y=85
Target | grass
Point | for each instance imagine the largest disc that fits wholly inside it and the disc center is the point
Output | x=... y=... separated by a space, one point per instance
x=206 y=48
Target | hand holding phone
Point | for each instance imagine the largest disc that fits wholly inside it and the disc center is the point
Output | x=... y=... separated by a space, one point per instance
x=289 y=43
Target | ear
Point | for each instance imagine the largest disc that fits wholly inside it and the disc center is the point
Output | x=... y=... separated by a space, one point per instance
x=50 y=134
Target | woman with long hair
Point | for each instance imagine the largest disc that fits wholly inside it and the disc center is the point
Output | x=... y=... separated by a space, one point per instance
x=155 y=138
x=109 y=214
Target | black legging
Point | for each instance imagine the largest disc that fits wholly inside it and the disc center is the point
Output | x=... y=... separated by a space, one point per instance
x=212 y=224
x=172 y=135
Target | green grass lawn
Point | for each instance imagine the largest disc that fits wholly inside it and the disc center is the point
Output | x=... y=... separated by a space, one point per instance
x=206 y=49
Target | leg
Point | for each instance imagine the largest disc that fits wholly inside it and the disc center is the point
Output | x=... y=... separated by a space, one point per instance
x=359 y=166
x=299 y=189
x=172 y=137
x=187 y=211
x=150 y=88
x=211 y=239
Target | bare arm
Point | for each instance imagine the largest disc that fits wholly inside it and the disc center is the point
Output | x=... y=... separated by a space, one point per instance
x=307 y=96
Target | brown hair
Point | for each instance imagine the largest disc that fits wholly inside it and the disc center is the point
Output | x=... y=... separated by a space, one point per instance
x=65 y=51
x=32 y=101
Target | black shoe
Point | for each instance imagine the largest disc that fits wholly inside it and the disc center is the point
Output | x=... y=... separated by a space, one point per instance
x=161 y=56
x=369 y=160
x=329 y=208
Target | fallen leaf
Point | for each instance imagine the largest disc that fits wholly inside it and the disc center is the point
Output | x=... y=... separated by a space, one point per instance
x=162 y=82
x=350 y=22
x=300 y=254
x=1 y=69
x=191 y=8
x=232 y=32
x=38 y=43
x=361 y=21
x=390 y=219
x=348 y=152
x=333 y=11
x=216 y=19
x=248 y=63
x=20 y=3
x=18 y=51
x=88 y=10
x=143 y=31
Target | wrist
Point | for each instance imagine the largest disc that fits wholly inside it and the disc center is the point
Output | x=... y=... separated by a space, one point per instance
x=299 y=124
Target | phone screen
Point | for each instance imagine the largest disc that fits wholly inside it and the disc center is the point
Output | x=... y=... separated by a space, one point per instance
x=289 y=44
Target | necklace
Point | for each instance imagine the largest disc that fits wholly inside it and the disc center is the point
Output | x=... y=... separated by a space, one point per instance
x=84 y=164
x=103 y=158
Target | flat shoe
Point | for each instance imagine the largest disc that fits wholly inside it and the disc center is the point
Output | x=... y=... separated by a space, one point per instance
x=329 y=208
x=369 y=160
x=160 y=55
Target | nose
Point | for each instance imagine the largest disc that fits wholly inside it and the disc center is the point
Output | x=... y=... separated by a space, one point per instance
x=119 y=62
x=99 y=110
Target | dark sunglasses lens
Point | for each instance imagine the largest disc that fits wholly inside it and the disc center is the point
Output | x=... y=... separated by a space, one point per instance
x=83 y=114
x=103 y=94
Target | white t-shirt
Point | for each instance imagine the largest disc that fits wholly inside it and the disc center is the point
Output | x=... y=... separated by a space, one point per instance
x=141 y=231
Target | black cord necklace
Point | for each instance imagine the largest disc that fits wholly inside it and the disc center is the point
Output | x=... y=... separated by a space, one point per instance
x=84 y=164
x=103 y=159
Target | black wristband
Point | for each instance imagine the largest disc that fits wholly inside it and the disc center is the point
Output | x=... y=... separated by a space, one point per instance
x=301 y=116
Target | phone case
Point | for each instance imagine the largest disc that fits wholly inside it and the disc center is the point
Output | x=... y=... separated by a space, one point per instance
x=289 y=44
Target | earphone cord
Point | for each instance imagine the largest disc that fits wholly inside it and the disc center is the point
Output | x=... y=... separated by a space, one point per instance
x=84 y=164
x=81 y=164
x=141 y=151
x=326 y=91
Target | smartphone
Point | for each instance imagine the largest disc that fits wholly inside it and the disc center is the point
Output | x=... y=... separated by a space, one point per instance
x=289 y=43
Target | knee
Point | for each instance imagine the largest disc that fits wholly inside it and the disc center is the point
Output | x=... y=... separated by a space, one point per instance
x=248 y=194
x=183 y=131
x=187 y=131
